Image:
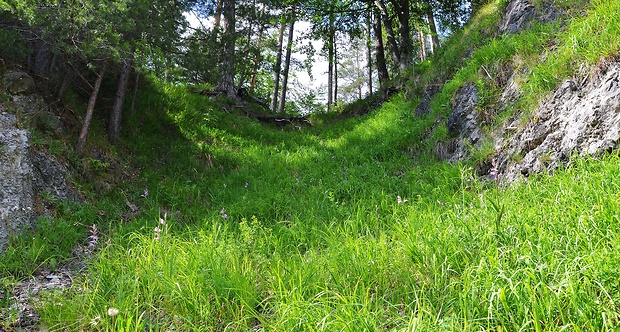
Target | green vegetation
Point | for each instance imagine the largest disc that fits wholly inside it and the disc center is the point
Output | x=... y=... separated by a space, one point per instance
x=349 y=225
x=338 y=228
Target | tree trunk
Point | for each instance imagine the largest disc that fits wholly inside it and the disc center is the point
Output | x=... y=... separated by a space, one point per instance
x=433 y=27
x=330 y=62
x=117 y=110
x=389 y=31
x=276 y=78
x=335 y=68
x=406 y=46
x=227 y=84
x=217 y=20
x=81 y=143
x=369 y=48
x=382 y=71
x=358 y=72
x=257 y=58
x=287 y=63
x=422 y=39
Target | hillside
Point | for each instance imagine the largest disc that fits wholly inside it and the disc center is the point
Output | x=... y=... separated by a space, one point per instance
x=483 y=195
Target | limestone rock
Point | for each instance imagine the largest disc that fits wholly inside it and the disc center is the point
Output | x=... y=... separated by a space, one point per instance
x=16 y=193
x=24 y=173
x=582 y=116
x=520 y=13
x=463 y=123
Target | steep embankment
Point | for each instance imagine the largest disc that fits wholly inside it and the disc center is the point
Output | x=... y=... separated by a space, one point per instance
x=545 y=89
x=356 y=225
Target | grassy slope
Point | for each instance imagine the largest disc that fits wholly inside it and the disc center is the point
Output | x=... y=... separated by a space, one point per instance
x=351 y=226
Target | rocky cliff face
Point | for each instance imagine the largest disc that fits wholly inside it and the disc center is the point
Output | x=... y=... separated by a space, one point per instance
x=25 y=172
x=581 y=116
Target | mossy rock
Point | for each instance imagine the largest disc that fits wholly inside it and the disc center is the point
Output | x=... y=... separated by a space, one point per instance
x=19 y=83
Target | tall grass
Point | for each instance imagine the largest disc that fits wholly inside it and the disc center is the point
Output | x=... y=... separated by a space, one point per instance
x=338 y=228
x=349 y=226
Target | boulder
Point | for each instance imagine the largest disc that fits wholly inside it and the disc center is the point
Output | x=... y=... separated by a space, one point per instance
x=19 y=83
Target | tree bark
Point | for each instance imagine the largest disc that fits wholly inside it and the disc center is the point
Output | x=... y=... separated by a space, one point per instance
x=335 y=45
x=369 y=47
x=217 y=20
x=389 y=31
x=422 y=39
x=81 y=143
x=330 y=62
x=404 y=33
x=287 y=63
x=117 y=110
x=382 y=72
x=433 y=27
x=227 y=84
x=276 y=79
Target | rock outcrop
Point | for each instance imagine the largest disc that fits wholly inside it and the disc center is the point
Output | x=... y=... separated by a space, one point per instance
x=16 y=192
x=582 y=116
x=520 y=14
x=25 y=172
x=463 y=124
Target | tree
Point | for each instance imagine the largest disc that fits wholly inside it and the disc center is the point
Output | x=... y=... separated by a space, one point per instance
x=278 y=66
x=81 y=143
x=287 y=61
x=227 y=65
x=101 y=36
x=382 y=71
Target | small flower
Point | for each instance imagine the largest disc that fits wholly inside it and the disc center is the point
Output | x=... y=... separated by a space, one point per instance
x=494 y=171
x=223 y=213
x=400 y=200
x=246 y=185
x=113 y=312
x=93 y=238
x=145 y=194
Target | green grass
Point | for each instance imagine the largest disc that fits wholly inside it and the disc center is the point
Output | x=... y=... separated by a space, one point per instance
x=317 y=240
x=349 y=225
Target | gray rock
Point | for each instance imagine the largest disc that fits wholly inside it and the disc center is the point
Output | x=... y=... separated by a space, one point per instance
x=50 y=176
x=48 y=121
x=520 y=14
x=16 y=193
x=19 y=83
x=463 y=124
x=24 y=173
x=582 y=116
x=424 y=107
